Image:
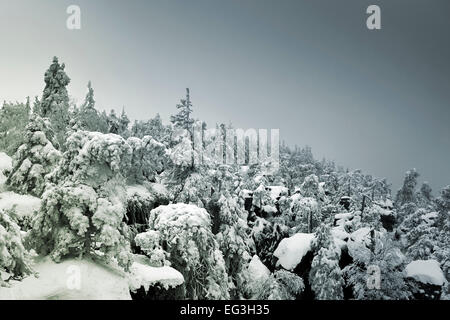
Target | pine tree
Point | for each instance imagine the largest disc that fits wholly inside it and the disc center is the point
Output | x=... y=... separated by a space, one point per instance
x=113 y=122
x=88 y=118
x=14 y=118
x=281 y=285
x=407 y=192
x=234 y=241
x=84 y=205
x=325 y=275
x=34 y=159
x=124 y=122
x=183 y=118
x=14 y=258
x=185 y=234
x=55 y=100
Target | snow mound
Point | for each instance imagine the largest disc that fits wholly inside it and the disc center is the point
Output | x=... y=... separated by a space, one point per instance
x=269 y=209
x=291 y=251
x=143 y=275
x=426 y=271
x=180 y=215
x=25 y=204
x=257 y=270
x=70 y=280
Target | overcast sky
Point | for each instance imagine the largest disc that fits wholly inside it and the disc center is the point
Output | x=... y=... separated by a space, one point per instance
x=374 y=100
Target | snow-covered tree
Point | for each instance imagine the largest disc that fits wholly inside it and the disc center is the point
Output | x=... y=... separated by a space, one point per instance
x=376 y=272
x=113 y=122
x=34 y=159
x=55 y=100
x=305 y=214
x=184 y=232
x=267 y=236
x=183 y=119
x=234 y=242
x=14 y=118
x=154 y=128
x=407 y=193
x=83 y=210
x=442 y=252
x=15 y=260
x=124 y=122
x=186 y=182
x=281 y=285
x=426 y=194
x=148 y=159
x=87 y=117
x=310 y=187
x=325 y=276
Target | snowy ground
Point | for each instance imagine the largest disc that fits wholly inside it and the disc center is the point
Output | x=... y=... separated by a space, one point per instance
x=69 y=280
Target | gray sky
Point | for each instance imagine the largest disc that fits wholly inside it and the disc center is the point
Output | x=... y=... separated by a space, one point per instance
x=375 y=100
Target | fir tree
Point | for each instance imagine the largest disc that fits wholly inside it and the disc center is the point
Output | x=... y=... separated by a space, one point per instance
x=87 y=117
x=55 y=100
x=325 y=275
x=15 y=260
x=34 y=159
x=183 y=118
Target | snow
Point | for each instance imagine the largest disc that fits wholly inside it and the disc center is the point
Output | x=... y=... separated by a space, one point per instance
x=257 y=270
x=429 y=217
x=345 y=216
x=5 y=164
x=385 y=212
x=426 y=271
x=269 y=209
x=180 y=214
x=291 y=251
x=58 y=281
x=340 y=233
x=138 y=190
x=247 y=193
x=5 y=161
x=159 y=189
x=25 y=204
x=143 y=275
x=277 y=191
x=361 y=235
x=385 y=204
x=358 y=244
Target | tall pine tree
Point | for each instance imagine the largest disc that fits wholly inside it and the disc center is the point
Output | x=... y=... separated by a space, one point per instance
x=183 y=118
x=55 y=100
